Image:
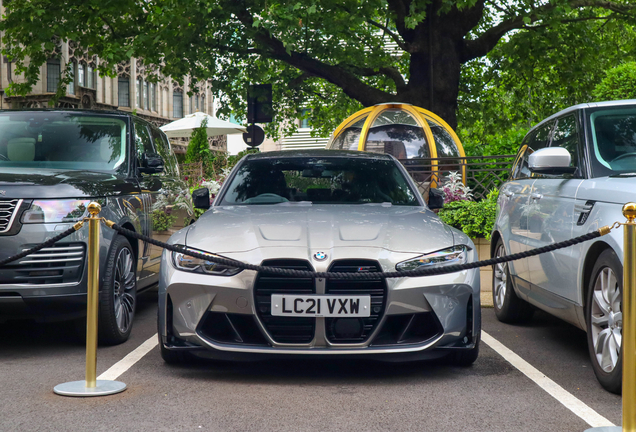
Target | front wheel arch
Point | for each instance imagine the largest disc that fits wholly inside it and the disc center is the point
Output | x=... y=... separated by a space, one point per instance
x=588 y=265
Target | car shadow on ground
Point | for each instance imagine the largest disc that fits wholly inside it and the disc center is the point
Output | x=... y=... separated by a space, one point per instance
x=42 y=337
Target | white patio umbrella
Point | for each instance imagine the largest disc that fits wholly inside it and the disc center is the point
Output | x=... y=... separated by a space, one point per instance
x=183 y=128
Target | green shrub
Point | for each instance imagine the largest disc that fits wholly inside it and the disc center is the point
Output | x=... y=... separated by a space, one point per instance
x=162 y=220
x=198 y=147
x=475 y=218
x=619 y=83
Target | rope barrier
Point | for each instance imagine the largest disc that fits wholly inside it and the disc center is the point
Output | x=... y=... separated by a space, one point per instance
x=433 y=271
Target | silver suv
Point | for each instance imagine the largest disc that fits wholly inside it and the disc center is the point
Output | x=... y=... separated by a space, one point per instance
x=52 y=164
x=572 y=175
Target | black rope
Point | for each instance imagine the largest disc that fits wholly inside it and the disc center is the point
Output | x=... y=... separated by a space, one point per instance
x=47 y=243
x=431 y=271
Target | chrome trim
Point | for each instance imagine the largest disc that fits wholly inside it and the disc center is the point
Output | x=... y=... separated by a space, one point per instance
x=39 y=255
x=50 y=260
x=36 y=286
x=13 y=215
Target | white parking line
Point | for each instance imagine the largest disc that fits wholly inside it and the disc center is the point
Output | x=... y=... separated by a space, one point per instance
x=127 y=362
x=568 y=400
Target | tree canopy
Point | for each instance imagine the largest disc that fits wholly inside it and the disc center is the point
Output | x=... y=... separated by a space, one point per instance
x=333 y=56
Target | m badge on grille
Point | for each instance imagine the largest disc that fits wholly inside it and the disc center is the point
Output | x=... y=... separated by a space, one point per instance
x=320 y=256
x=3 y=193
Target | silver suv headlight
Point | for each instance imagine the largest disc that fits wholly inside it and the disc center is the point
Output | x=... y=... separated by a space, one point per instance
x=453 y=255
x=197 y=265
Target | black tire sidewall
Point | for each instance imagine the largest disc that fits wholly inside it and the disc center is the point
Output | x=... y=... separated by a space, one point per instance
x=611 y=381
x=514 y=309
x=109 y=332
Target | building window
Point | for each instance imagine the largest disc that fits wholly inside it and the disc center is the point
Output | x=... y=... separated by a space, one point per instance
x=8 y=63
x=81 y=75
x=90 y=77
x=177 y=104
x=196 y=102
x=153 y=96
x=304 y=119
x=123 y=88
x=138 y=99
x=146 y=95
x=203 y=104
x=71 y=85
x=53 y=74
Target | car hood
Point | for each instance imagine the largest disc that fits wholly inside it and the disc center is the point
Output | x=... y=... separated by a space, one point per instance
x=244 y=228
x=47 y=183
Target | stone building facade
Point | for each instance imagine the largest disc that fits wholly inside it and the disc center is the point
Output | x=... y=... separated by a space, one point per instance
x=159 y=102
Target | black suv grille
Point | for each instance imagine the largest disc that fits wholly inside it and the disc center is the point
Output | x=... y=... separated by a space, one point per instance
x=61 y=263
x=7 y=209
x=355 y=330
x=284 y=329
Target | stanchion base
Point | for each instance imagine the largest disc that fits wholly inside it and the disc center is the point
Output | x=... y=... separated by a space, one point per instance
x=605 y=429
x=78 y=388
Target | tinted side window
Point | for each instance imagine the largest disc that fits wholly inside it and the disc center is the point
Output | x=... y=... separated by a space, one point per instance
x=565 y=136
x=143 y=143
x=539 y=140
x=163 y=148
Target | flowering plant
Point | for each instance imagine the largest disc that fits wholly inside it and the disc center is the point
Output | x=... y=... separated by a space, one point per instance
x=454 y=189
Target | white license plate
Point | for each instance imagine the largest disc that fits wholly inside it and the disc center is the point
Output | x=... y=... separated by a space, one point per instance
x=321 y=305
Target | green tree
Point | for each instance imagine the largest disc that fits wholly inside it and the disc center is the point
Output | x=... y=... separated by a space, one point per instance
x=620 y=83
x=199 y=147
x=328 y=55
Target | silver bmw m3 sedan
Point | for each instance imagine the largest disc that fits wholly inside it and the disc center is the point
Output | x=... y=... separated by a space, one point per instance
x=323 y=211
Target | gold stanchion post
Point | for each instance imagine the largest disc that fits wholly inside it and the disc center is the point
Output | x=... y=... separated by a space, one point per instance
x=91 y=386
x=629 y=320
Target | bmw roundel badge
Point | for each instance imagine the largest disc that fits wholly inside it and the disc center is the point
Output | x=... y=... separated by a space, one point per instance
x=320 y=256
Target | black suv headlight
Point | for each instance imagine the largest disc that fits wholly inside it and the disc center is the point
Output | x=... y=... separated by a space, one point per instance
x=198 y=265
x=444 y=257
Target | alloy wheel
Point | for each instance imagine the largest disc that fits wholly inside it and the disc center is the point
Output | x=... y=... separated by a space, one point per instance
x=500 y=278
x=124 y=290
x=606 y=319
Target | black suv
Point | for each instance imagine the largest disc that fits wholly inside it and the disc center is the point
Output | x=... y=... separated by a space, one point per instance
x=52 y=164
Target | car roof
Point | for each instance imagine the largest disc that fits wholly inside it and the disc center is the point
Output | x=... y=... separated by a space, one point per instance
x=71 y=110
x=319 y=153
x=584 y=106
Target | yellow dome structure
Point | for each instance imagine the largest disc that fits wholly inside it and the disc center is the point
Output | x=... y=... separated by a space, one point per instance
x=402 y=130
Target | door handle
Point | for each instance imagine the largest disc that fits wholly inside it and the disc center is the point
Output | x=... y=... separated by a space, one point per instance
x=508 y=193
x=536 y=196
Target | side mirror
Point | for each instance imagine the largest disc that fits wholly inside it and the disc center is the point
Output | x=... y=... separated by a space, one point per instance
x=151 y=163
x=551 y=161
x=435 y=199
x=201 y=198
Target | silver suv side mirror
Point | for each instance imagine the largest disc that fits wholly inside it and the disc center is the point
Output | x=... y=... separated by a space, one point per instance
x=551 y=161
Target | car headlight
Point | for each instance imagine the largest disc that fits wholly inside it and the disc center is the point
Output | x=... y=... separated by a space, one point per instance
x=450 y=256
x=51 y=211
x=197 y=265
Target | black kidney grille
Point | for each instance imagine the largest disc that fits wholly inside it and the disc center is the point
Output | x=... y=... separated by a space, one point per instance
x=376 y=289
x=284 y=329
x=58 y=264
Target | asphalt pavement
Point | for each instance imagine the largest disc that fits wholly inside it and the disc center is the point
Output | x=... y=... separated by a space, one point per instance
x=492 y=395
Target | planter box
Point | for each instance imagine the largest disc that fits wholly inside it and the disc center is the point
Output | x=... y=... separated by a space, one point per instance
x=483 y=252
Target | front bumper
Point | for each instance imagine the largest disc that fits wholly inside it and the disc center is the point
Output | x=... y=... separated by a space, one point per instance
x=51 y=283
x=225 y=317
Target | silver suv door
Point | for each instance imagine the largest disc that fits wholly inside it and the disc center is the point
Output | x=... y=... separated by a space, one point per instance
x=553 y=218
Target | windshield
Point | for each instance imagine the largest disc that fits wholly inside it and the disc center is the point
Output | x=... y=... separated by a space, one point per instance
x=62 y=140
x=324 y=180
x=613 y=140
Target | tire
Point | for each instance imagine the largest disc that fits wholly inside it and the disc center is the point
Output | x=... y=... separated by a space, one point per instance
x=118 y=294
x=604 y=321
x=465 y=358
x=508 y=307
x=172 y=357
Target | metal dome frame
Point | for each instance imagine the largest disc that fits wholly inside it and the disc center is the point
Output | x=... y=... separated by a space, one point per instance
x=420 y=115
